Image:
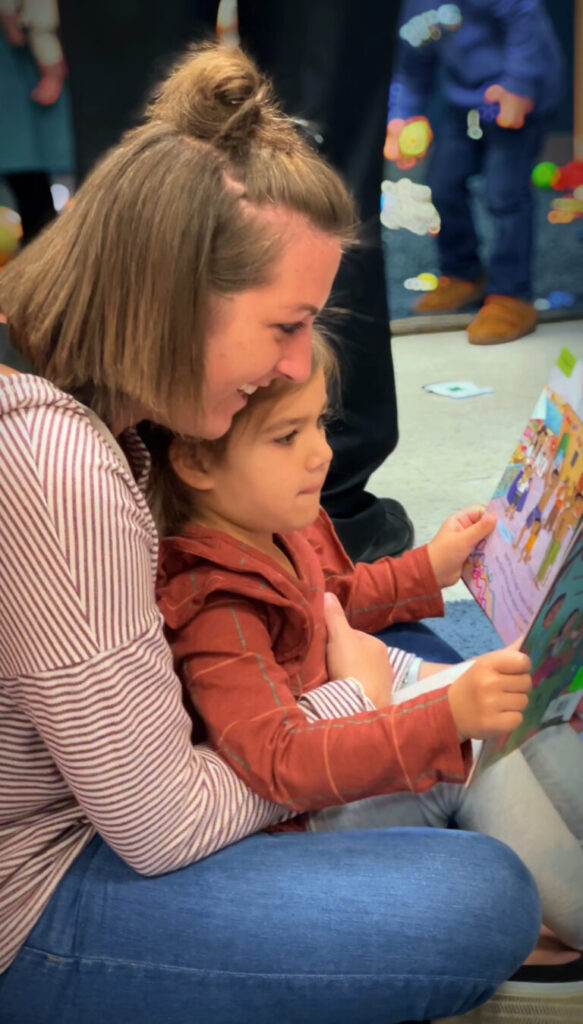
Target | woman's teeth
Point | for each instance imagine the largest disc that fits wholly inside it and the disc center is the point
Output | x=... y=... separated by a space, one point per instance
x=248 y=389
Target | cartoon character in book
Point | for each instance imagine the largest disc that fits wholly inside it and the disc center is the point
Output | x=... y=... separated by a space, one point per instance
x=543 y=460
x=536 y=443
x=566 y=519
x=558 y=505
x=535 y=528
x=519 y=491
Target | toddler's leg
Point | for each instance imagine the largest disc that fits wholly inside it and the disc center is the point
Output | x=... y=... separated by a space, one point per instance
x=508 y=803
x=555 y=756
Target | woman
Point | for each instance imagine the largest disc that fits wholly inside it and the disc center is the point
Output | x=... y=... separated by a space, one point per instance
x=187 y=273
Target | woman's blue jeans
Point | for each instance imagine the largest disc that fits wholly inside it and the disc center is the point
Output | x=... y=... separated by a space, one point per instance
x=370 y=926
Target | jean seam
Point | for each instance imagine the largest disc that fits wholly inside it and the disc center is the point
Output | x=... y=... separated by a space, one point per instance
x=176 y=968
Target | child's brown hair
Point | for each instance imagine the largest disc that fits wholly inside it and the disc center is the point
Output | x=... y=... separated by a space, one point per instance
x=172 y=502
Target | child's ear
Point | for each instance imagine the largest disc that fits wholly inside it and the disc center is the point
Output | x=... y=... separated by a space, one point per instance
x=192 y=464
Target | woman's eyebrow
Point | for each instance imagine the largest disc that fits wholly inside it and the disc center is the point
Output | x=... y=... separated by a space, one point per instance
x=304 y=307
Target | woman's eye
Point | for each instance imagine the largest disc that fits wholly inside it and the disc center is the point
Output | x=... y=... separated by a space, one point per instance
x=287 y=438
x=291 y=328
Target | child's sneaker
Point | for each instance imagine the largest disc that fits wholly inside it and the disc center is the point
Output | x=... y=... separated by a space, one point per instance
x=451 y=295
x=502 y=318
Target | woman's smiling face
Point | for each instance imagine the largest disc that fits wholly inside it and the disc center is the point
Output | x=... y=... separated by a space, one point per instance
x=263 y=333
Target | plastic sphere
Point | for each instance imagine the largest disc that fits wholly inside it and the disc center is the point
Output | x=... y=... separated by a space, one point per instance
x=430 y=281
x=415 y=138
x=10 y=233
x=558 y=299
x=543 y=173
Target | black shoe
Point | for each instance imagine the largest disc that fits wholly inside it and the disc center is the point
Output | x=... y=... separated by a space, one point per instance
x=557 y=974
x=381 y=528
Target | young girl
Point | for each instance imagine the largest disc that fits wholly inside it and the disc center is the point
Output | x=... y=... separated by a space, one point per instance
x=247 y=562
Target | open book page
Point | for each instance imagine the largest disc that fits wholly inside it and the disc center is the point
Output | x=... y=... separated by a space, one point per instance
x=538 y=504
x=554 y=643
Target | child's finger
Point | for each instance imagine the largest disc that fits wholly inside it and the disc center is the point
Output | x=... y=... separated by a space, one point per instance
x=515 y=701
x=511 y=660
x=480 y=529
x=517 y=682
x=471 y=513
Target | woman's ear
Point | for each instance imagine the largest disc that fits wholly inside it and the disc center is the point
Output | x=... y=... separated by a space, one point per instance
x=192 y=464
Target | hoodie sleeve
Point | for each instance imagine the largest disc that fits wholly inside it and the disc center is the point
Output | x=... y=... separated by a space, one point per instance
x=377 y=594
x=256 y=725
x=528 y=44
x=415 y=69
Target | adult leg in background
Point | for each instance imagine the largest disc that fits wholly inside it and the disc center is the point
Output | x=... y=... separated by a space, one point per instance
x=331 y=65
x=32 y=192
x=115 y=53
x=377 y=926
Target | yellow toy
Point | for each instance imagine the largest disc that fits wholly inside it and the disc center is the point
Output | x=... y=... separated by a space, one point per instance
x=10 y=233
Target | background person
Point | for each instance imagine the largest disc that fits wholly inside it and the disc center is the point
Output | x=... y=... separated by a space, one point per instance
x=500 y=60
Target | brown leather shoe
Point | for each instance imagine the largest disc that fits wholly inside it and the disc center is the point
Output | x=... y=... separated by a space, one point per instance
x=450 y=295
x=501 y=319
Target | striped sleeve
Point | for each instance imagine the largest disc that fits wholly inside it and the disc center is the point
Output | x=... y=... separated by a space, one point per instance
x=83 y=658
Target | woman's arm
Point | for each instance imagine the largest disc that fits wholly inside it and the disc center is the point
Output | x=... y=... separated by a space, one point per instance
x=82 y=653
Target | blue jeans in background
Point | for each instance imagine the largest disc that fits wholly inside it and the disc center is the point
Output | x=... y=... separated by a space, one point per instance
x=505 y=157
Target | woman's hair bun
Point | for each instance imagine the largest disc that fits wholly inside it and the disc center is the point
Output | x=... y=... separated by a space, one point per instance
x=217 y=94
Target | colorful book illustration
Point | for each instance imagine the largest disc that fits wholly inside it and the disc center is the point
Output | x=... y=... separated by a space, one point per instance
x=527 y=576
x=554 y=643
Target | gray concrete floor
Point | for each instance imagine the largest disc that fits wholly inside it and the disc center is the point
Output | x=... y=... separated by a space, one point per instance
x=452 y=453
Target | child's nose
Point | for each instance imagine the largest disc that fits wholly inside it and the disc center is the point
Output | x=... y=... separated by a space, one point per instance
x=321 y=455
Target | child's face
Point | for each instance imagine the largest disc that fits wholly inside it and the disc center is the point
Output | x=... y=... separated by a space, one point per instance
x=271 y=475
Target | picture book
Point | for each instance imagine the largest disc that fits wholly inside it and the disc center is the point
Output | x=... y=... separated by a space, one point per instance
x=538 y=504
x=554 y=643
x=527 y=575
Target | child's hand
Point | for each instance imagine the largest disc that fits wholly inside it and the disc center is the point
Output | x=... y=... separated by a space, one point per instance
x=513 y=108
x=456 y=539
x=490 y=697
x=349 y=652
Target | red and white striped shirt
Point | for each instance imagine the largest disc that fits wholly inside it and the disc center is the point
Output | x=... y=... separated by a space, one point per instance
x=93 y=733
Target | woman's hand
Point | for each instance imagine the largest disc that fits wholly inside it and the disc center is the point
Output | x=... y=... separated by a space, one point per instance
x=350 y=652
x=490 y=697
x=455 y=540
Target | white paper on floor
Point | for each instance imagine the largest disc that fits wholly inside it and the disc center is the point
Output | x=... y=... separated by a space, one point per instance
x=457 y=389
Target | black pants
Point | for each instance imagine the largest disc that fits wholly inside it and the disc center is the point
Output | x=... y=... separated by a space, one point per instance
x=32 y=192
x=330 y=61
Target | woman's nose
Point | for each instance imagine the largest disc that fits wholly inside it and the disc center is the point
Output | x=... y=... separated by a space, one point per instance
x=295 y=361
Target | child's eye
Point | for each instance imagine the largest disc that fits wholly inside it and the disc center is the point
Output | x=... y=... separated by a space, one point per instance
x=324 y=420
x=286 y=439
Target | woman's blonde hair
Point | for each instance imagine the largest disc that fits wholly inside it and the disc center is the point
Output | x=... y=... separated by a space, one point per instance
x=111 y=301
x=172 y=501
